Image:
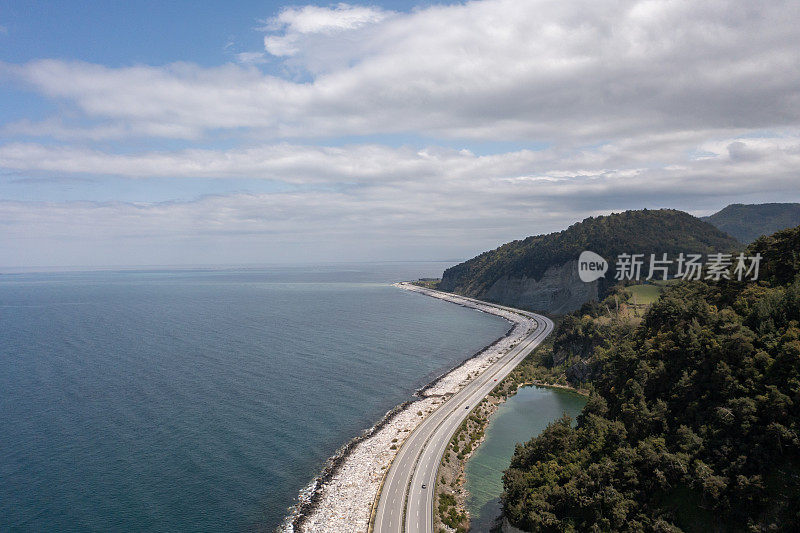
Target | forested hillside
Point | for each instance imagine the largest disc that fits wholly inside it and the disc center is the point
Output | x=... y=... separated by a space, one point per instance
x=747 y=222
x=694 y=420
x=644 y=231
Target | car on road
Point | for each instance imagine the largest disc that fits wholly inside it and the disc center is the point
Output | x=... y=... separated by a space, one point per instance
x=424 y=486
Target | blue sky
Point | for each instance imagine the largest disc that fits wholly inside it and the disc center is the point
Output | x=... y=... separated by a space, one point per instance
x=115 y=33
x=120 y=34
x=205 y=133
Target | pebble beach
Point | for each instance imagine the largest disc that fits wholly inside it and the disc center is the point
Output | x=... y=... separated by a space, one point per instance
x=341 y=498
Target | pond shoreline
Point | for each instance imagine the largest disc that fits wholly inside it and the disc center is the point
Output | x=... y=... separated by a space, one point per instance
x=452 y=480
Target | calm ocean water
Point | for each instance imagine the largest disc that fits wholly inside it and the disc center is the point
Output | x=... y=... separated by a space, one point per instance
x=203 y=400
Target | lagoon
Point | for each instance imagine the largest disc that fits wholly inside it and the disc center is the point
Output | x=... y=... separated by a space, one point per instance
x=521 y=417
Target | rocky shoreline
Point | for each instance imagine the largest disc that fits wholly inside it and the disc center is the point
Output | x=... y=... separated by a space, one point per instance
x=424 y=390
x=341 y=497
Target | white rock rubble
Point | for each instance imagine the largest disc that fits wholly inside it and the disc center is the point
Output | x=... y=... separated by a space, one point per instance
x=344 y=502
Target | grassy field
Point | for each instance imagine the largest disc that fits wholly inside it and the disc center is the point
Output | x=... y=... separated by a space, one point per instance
x=645 y=294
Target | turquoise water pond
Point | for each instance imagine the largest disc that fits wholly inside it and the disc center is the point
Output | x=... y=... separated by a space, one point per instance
x=522 y=417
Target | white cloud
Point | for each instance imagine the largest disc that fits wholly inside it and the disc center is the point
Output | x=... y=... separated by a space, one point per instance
x=653 y=166
x=251 y=58
x=57 y=129
x=495 y=69
x=403 y=204
x=641 y=103
x=294 y=24
x=298 y=29
x=315 y=19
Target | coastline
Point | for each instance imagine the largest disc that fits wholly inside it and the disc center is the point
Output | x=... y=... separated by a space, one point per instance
x=342 y=495
x=475 y=435
x=453 y=466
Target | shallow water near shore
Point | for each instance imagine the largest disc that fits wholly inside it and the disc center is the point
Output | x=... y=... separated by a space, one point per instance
x=203 y=400
x=520 y=418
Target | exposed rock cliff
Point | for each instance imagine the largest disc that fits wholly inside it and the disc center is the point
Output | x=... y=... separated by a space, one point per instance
x=540 y=272
x=559 y=291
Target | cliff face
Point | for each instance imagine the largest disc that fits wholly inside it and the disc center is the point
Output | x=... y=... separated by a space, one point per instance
x=559 y=291
x=540 y=272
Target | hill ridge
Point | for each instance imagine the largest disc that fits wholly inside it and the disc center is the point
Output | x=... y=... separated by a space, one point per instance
x=538 y=272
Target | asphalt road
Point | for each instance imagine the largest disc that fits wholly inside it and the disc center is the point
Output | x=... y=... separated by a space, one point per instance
x=404 y=505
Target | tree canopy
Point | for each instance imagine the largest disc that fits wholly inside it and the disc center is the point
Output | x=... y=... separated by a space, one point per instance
x=694 y=419
x=747 y=222
x=643 y=231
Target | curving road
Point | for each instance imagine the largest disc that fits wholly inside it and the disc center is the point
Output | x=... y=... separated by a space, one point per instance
x=404 y=506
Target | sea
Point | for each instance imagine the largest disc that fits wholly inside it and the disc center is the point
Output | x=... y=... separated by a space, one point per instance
x=204 y=399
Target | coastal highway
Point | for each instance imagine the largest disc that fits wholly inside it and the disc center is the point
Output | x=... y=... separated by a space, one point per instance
x=404 y=506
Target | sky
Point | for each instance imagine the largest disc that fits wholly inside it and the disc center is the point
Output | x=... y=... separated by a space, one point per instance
x=191 y=133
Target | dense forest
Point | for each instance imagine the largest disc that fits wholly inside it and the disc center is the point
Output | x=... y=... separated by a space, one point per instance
x=643 y=231
x=747 y=222
x=694 y=416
